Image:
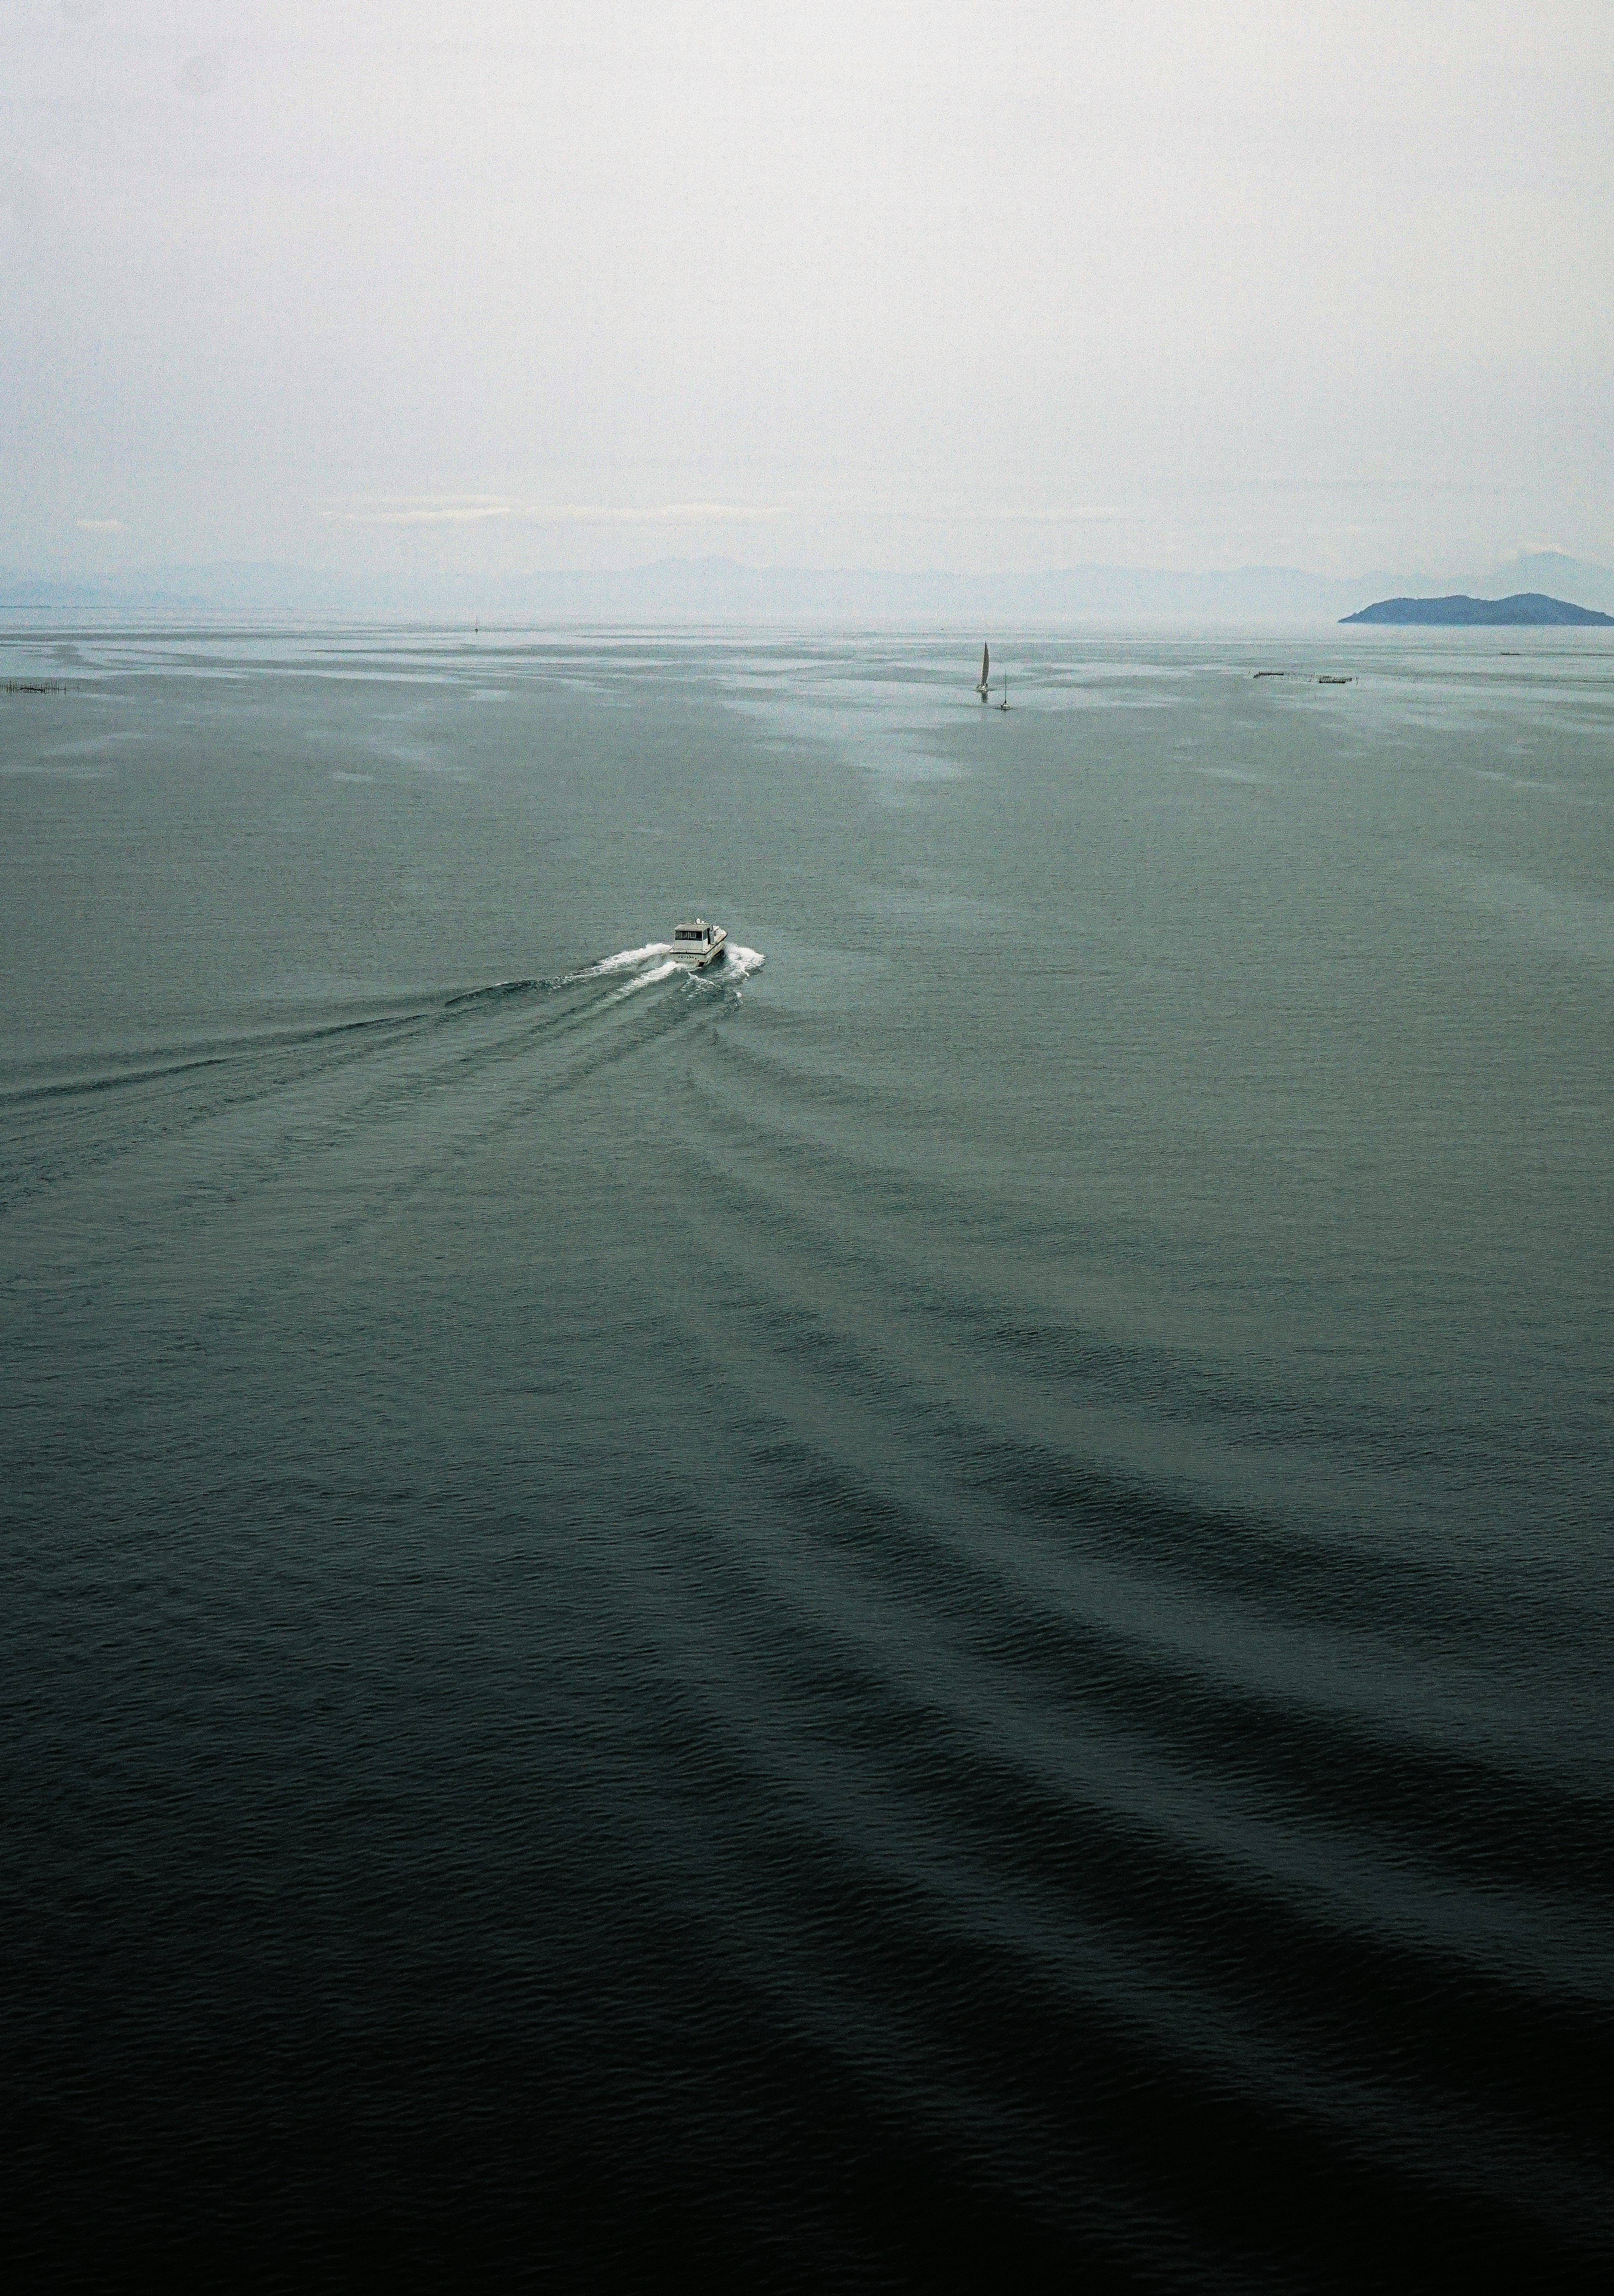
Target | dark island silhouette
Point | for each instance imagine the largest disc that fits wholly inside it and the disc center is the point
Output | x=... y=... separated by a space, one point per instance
x=1529 y=609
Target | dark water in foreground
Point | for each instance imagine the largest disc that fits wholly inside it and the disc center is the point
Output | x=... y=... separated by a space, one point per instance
x=941 y=1603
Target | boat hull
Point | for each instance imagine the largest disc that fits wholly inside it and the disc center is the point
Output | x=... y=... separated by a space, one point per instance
x=698 y=955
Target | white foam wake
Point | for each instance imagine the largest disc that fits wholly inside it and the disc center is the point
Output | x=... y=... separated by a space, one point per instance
x=623 y=958
x=662 y=958
x=736 y=964
x=662 y=971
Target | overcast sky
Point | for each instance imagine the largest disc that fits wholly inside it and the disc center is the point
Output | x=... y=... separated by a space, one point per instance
x=939 y=284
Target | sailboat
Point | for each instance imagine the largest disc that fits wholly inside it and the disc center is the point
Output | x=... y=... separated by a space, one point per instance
x=982 y=689
x=1004 y=703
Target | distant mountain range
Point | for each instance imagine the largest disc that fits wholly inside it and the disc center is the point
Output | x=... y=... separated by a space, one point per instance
x=1526 y=609
x=695 y=590
x=1551 y=571
x=684 y=591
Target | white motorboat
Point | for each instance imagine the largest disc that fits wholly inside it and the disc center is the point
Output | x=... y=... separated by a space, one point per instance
x=700 y=943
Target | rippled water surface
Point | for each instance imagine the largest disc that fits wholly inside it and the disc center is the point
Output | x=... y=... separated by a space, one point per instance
x=944 y=1594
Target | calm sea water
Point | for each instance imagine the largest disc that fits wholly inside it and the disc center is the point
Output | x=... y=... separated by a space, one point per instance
x=942 y=1596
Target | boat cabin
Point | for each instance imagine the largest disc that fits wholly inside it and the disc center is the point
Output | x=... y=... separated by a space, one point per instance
x=700 y=943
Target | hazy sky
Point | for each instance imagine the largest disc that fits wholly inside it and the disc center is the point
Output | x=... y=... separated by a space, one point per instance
x=488 y=284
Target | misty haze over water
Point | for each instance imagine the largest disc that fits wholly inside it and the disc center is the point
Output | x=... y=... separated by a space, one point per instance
x=429 y=304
